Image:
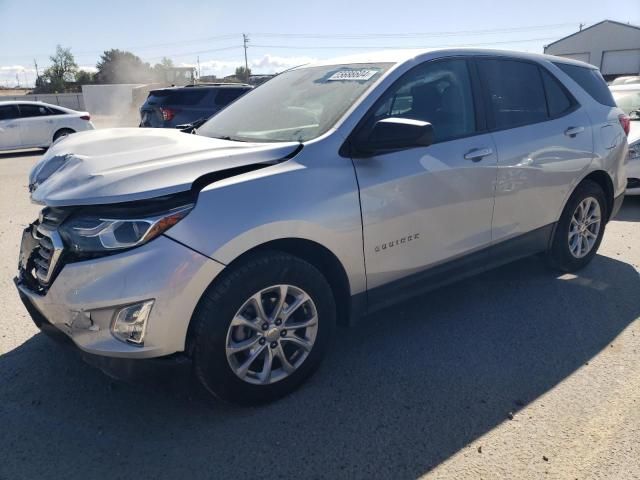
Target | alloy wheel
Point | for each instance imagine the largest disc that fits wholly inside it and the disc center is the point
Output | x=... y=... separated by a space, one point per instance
x=584 y=227
x=271 y=334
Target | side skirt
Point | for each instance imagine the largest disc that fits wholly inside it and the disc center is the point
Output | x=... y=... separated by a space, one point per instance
x=488 y=258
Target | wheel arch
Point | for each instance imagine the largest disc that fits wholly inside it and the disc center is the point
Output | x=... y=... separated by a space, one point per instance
x=317 y=255
x=59 y=130
x=603 y=179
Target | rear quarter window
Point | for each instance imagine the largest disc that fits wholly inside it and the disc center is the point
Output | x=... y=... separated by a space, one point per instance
x=559 y=101
x=591 y=81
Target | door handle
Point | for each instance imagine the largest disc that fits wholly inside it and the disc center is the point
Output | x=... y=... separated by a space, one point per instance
x=477 y=154
x=573 y=131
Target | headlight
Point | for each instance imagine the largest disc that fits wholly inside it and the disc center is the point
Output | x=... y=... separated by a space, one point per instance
x=91 y=234
x=634 y=151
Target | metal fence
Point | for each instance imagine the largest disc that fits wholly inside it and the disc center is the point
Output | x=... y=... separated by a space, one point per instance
x=69 y=100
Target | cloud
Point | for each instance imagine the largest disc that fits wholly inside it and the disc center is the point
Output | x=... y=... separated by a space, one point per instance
x=25 y=75
x=264 y=64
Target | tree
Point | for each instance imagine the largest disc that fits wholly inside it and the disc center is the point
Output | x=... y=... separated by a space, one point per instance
x=62 y=70
x=165 y=63
x=84 y=78
x=119 y=66
x=243 y=74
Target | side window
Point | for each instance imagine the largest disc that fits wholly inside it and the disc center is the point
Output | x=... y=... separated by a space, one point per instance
x=558 y=100
x=437 y=92
x=8 y=112
x=54 y=111
x=27 y=110
x=591 y=81
x=225 y=96
x=515 y=92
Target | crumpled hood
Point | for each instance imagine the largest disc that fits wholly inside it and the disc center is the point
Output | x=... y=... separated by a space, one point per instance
x=125 y=164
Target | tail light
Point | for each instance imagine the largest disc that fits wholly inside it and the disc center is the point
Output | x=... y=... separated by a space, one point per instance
x=625 y=123
x=86 y=117
x=167 y=113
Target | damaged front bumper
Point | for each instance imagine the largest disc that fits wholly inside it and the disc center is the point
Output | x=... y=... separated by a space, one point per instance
x=83 y=300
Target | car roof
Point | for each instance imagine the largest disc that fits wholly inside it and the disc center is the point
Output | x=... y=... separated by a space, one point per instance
x=401 y=56
x=205 y=87
x=30 y=102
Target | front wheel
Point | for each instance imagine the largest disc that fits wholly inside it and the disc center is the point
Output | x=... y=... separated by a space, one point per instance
x=262 y=329
x=580 y=229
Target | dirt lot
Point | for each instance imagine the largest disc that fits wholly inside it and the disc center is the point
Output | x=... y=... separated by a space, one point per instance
x=517 y=373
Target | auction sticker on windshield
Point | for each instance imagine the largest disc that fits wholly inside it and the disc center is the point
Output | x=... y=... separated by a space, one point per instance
x=356 y=75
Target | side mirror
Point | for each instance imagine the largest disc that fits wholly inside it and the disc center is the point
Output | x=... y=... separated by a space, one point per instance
x=397 y=134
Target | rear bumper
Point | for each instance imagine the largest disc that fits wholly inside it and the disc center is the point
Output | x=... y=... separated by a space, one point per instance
x=633 y=177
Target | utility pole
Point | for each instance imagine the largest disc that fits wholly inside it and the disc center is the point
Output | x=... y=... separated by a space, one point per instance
x=245 y=39
x=199 y=73
x=36 y=64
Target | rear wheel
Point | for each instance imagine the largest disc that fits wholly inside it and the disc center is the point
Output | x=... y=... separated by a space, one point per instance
x=580 y=230
x=63 y=132
x=262 y=329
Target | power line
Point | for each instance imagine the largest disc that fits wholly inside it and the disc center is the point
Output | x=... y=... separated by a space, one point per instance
x=339 y=36
x=415 y=34
x=343 y=47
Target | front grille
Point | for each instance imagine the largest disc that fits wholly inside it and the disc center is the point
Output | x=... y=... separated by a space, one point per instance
x=49 y=248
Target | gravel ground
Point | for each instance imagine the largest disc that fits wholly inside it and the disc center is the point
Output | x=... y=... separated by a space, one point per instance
x=516 y=373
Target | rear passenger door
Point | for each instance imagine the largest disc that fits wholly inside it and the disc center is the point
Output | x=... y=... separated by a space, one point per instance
x=36 y=125
x=543 y=139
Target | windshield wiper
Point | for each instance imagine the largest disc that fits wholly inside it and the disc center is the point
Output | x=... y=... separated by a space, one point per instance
x=227 y=137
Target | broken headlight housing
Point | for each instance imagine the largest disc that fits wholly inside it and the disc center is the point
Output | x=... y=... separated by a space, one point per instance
x=95 y=234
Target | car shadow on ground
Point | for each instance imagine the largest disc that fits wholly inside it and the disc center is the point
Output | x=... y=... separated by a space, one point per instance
x=630 y=210
x=20 y=153
x=399 y=394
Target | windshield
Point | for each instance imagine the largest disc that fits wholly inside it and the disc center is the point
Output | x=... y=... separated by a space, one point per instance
x=297 y=105
x=627 y=100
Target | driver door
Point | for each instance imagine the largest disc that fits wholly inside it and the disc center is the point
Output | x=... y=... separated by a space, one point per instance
x=424 y=206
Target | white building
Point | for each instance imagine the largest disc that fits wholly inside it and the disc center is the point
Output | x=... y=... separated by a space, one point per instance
x=613 y=47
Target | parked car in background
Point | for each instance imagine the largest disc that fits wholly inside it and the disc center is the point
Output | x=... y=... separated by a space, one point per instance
x=626 y=80
x=627 y=96
x=333 y=190
x=170 y=107
x=37 y=124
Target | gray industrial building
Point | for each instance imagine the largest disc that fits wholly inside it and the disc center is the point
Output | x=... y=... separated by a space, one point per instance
x=613 y=47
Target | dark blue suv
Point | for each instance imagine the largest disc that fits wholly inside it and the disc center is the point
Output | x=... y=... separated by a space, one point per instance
x=169 y=107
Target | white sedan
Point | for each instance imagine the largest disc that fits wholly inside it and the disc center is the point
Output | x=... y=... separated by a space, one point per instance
x=37 y=124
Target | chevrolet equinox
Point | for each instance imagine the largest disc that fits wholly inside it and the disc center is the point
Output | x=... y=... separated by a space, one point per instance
x=330 y=191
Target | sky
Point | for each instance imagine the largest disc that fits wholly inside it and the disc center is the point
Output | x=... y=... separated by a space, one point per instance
x=282 y=33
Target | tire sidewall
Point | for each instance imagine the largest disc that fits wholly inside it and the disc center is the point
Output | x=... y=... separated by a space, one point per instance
x=561 y=254
x=222 y=301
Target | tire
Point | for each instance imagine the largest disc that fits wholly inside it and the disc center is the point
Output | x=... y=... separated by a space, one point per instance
x=63 y=132
x=229 y=298
x=566 y=255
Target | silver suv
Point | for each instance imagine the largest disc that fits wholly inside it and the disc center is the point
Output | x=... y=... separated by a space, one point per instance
x=330 y=191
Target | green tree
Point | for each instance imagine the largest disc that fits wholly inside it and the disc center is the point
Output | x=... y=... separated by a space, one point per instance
x=84 y=78
x=119 y=66
x=62 y=70
x=243 y=74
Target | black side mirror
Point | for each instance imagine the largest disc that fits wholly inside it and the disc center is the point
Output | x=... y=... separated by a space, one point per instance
x=397 y=134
